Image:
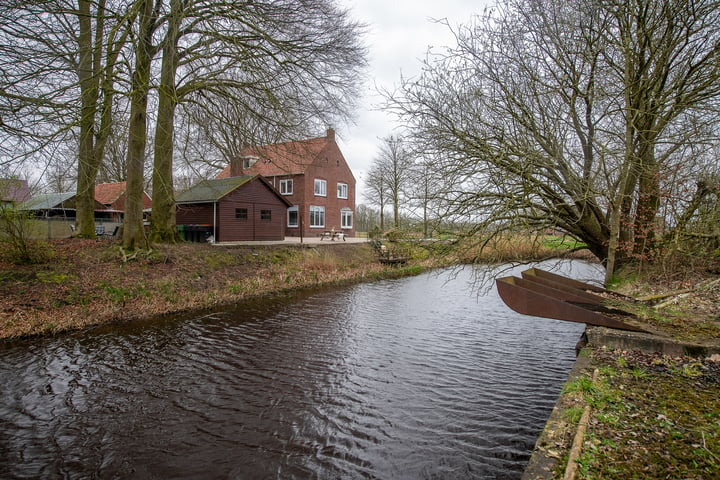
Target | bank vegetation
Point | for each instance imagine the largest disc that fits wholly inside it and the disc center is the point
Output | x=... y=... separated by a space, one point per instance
x=76 y=284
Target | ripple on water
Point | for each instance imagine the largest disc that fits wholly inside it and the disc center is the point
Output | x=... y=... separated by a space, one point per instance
x=411 y=378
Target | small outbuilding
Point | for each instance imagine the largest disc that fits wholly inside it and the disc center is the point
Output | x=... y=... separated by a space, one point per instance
x=232 y=209
x=54 y=214
x=58 y=205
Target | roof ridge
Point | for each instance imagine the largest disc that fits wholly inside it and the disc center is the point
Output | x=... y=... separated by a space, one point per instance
x=313 y=139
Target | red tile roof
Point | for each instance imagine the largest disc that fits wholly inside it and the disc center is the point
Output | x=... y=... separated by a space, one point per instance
x=108 y=193
x=279 y=158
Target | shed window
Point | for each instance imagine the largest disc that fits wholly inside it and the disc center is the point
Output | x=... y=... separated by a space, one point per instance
x=241 y=213
x=265 y=214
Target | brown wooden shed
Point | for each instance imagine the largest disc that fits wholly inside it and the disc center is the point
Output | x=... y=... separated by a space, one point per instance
x=233 y=209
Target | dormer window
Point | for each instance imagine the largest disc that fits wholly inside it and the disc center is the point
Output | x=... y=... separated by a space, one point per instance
x=248 y=162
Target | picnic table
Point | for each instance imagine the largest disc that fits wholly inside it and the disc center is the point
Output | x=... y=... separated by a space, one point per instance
x=332 y=235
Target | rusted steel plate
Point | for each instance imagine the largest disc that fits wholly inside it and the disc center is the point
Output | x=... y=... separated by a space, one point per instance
x=530 y=298
x=580 y=290
x=594 y=292
x=563 y=291
x=557 y=291
x=569 y=282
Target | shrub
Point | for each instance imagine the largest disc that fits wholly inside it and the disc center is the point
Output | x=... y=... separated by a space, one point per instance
x=15 y=237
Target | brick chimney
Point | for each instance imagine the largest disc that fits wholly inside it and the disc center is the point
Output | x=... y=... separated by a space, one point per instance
x=236 y=167
x=330 y=134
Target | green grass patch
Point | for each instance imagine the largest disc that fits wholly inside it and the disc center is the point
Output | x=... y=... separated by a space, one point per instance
x=53 y=277
x=657 y=418
x=562 y=242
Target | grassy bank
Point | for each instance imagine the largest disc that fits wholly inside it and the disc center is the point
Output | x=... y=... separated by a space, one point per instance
x=81 y=283
x=651 y=417
x=89 y=283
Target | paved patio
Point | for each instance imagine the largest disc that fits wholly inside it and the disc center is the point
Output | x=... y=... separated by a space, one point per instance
x=295 y=241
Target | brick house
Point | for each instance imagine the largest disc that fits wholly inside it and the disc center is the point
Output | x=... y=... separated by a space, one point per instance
x=312 y=175
x=232 y=209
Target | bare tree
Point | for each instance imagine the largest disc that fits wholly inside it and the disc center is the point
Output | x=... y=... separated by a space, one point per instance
x=366 y=218
x=285 y=66
x=391 y=173
x=376 y=191
x=289 y=65
x=424 y=185
x=567 y=114
x=98 y=51
x=59 y=59
x=114 y=165
x=38 y=93
x=144 y=52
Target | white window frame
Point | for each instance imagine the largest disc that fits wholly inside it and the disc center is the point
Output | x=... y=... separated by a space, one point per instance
x=297 y=217
x=342 y=190
x=286 y=186
x=346 y=218
x=320 y=187
x=316 y=212
x=248 y=162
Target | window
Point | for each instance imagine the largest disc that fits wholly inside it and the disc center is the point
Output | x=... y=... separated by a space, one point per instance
x=317 y=216
x=248 y=162
x=320 y=188
x=241 y=213
x=293 y=217
x=286 y=187
x=342 y=190
x=346 y=218
x=265 y=214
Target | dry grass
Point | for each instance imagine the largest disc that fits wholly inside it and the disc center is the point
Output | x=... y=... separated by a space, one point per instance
x=88 y=283
x=516 y=247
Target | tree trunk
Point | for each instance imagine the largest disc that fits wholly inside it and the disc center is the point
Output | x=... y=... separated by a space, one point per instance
x=648 y=204
x=396 y=211
x=162 y=226
x=134 y=231
x=88 y=164
x=90 y=71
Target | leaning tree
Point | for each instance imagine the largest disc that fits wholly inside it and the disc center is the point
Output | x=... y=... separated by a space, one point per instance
x=569 y=115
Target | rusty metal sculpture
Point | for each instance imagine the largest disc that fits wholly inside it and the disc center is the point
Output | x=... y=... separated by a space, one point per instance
x=545 y=294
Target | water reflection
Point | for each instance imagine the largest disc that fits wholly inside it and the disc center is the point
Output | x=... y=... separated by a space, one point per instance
x=411 y=378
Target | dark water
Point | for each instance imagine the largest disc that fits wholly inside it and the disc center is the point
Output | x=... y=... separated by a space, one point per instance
x=409 y=379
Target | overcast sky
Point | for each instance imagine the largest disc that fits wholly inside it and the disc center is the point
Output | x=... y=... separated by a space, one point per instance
x=399 y=34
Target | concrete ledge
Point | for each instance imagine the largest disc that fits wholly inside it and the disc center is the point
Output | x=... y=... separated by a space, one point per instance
x=602 y=336
x=556 y=437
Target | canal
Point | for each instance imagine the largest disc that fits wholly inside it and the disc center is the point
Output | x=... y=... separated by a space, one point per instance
x=420 y=377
